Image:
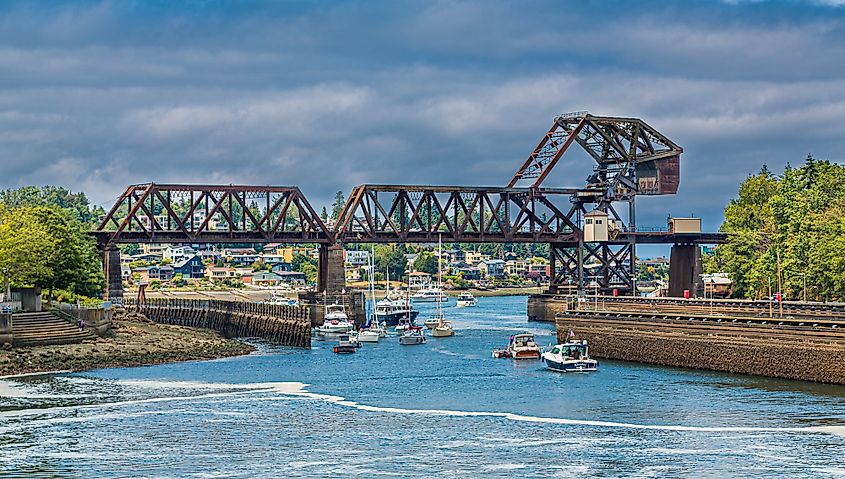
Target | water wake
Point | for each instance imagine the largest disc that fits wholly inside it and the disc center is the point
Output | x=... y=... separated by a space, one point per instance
x=287 y=390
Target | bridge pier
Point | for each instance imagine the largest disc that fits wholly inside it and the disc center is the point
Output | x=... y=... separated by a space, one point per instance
x=684 y=269
x=112 y=272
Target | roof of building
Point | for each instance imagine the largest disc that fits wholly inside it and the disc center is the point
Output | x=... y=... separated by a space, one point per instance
x=184 y=262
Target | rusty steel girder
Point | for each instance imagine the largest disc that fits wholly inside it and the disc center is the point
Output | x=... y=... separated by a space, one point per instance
x=631 y=157
x=159 y=213
x=414 y=214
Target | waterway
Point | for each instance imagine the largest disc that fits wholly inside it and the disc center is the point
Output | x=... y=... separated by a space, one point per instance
x=444 y=409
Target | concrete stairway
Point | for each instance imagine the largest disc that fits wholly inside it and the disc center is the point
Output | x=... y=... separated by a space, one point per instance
x=38 y=329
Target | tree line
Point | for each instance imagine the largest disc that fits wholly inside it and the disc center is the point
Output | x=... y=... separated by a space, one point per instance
x=787 y=229
x=44 y=240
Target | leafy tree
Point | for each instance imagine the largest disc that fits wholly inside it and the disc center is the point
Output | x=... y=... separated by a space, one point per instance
x=794 y=223
x=324 y=215
x=337 y=206
x=426 y=262
x=392 y=258
x=46 y=247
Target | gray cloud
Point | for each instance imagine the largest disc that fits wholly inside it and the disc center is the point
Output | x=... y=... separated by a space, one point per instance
x=326 y=96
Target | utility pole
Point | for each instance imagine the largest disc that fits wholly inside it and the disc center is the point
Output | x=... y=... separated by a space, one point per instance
x=780 y=289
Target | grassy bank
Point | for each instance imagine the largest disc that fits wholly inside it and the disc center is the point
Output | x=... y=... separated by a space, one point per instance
x=133 y=342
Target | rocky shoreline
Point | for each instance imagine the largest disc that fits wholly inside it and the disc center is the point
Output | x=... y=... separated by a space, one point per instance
x=133 y=341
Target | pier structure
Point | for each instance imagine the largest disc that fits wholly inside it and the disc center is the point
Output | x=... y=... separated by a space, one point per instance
x=803 y=341
x=288 y=325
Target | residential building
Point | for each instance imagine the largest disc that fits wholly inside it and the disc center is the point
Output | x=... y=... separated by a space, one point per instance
x=536 y=270
x=266 y=278
x=274 y=258
x=494 y=268
x=176 y=254
x=281 y=267
x=516 y=267
x=418 y=279
x=125 y=272
x=352 y=273
x=190 y=268
x=217 y=272
x=469 y=273
x=154 y=273
x=153 y=248
x=357 y=258
x=293 y=277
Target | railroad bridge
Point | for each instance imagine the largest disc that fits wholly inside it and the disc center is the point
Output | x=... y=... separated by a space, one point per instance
x=630 y=159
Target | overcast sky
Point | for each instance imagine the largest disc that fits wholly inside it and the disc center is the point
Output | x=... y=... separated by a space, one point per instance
x=326 y=95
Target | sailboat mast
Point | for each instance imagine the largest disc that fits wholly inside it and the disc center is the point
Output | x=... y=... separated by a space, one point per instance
x=372 y=284
x=439 y=276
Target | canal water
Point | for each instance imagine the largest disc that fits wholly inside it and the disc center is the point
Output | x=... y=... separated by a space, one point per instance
x=444 y=409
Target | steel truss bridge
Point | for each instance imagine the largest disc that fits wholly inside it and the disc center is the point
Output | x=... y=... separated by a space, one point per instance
x=631 y=159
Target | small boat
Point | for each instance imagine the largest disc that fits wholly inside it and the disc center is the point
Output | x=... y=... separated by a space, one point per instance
x=430 y=295
x=443 y=329
x=570 y=357
x=404 y=325
x=335 y=321
x=369 y=335
x=466 y=300
x=345 y=345
x=521 y=346
x=430 y=323
x=413 y=335
x=281 y=300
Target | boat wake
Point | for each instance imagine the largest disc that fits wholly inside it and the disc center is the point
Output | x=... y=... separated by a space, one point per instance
x=289 y=390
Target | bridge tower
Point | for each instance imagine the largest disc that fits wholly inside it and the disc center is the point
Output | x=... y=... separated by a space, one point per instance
x=631 y=159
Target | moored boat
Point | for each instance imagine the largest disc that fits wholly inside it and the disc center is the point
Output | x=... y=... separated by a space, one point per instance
x=345 y=345
x=466 y=300
x=411 y=336
x=570 y=357
x=520 y=346
x=430 y=295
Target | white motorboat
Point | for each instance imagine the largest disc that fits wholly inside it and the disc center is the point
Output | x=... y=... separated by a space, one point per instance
x=520 y=346
x=431 y=322
x=368 y=336
x=466 y=300
x=413 y=335
x=430 y=295
x=346 y=345
x=570 y=357
x=335 y=321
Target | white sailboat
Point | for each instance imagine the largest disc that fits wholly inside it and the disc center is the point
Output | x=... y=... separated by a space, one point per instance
x=373 y=332
x=442 y=328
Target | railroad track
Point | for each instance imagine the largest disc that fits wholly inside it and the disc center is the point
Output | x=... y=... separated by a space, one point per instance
x=832 y=328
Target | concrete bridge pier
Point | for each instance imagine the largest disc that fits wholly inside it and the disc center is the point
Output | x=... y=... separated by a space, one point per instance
x=684 y=269
x=112 y=272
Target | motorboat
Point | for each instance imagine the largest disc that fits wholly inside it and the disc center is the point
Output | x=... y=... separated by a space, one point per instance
x=520 y=346
x=345 y=345
x=466 y=300
x=431 y=322
x=391 y=310
x=368 y=336
x=430 y=295
x=335 y=321
x=281 y=300
x=411 y=336
x=570 y=357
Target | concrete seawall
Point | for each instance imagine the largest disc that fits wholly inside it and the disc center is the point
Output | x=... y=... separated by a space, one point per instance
x=807 y=354
x=287 y=325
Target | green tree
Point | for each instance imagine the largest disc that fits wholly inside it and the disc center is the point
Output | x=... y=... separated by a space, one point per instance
x=45 y=247
x=337 y=206
x=392 y=258
x=426 y=262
